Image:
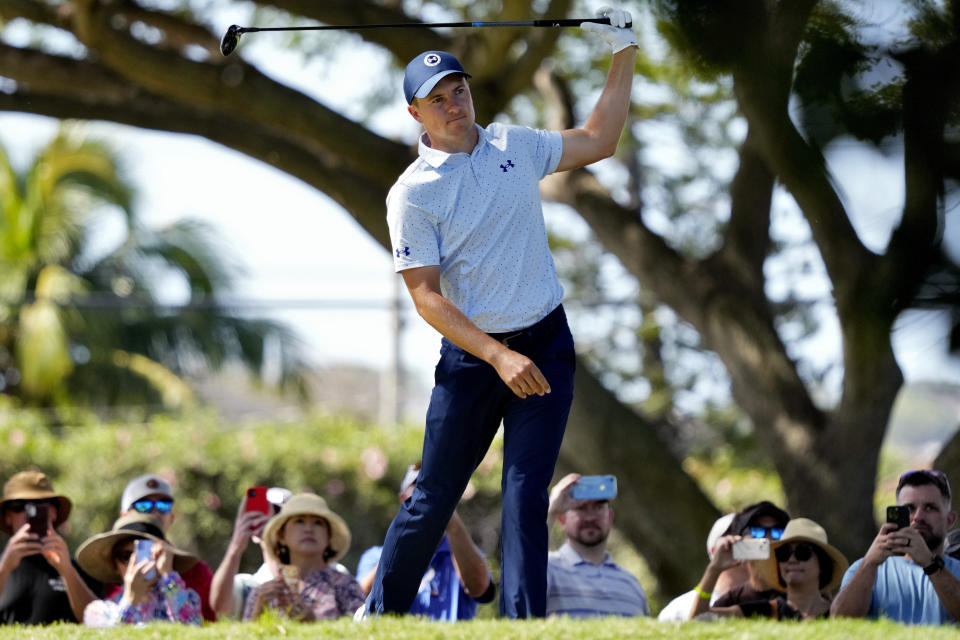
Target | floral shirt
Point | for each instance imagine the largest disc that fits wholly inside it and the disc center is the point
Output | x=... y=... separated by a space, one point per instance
x=327 y=593
x=170 y=599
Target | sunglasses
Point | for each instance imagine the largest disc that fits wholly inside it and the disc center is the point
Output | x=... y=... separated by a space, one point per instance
x=146 y=506
x=773 y=533
x=19 y=506
x=123 y=557
x=926 y=476
x=802 y=551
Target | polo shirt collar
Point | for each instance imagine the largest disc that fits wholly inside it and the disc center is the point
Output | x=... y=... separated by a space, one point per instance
x=436 y=158
x=569 y=554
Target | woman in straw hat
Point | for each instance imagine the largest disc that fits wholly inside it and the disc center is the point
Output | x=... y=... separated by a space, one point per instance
x=804 y=563
x=152 y=587
x=306 y=538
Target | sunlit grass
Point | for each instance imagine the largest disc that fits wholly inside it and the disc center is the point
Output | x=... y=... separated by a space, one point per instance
x=559 y=629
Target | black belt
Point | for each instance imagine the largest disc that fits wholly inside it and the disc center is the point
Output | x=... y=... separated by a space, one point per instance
x=545 y=328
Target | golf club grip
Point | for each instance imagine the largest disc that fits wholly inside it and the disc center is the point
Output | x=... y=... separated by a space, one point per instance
x=561 y=22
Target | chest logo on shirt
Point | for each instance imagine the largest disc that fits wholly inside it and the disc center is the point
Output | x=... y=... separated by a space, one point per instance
x=507 y=166
x=402 y=252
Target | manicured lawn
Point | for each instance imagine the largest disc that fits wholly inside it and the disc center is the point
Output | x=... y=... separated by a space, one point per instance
x=560 y=629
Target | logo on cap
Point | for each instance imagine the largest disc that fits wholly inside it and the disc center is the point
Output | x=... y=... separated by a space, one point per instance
x=431 y=59
x=152 y=484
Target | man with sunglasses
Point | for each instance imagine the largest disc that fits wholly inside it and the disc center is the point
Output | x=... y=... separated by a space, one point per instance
x=759 y=520
x=151 y=494
x=904 y=575
x=39 y=582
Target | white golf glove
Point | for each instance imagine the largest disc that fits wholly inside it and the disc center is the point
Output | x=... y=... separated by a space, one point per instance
x=617 y=33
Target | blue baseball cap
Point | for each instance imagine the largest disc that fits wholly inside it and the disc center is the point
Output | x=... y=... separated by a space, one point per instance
x=426 y=70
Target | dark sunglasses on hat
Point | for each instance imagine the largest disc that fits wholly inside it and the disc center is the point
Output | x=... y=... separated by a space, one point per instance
x=18 y=506
x=774 y=533
x=926 y=476
x=146 y=506
x=802 y=551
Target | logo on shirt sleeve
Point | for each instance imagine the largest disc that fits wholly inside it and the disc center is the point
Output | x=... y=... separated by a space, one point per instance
x=405 y=251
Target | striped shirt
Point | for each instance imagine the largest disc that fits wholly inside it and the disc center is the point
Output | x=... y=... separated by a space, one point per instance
x=578 y=588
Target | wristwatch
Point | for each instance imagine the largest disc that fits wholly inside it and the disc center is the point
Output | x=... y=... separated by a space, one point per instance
x=934 y=566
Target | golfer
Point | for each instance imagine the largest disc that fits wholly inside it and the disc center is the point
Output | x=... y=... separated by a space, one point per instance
x=468 y=235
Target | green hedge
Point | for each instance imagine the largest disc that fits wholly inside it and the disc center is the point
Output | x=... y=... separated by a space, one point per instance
x=356 y=467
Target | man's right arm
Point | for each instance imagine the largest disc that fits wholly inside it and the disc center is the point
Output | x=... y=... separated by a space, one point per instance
x=515 y=369
x=854 y=598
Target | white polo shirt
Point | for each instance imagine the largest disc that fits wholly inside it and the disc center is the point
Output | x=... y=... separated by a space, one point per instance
x=479 y=217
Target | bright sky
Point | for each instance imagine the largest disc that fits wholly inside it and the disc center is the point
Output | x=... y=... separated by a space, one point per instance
x=296 y=244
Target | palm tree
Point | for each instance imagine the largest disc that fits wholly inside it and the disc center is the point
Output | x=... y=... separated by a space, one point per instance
x=80 y=322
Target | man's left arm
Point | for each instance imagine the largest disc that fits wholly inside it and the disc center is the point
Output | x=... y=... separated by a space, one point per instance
x=598 y=137
x=944 y=582
x=468 y=560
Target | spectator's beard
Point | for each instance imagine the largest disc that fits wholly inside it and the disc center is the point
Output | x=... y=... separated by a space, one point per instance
x=932 y=539
x=591 y=535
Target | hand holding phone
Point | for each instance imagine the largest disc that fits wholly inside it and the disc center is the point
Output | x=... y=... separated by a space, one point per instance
x=595 y=488
x=751 y=549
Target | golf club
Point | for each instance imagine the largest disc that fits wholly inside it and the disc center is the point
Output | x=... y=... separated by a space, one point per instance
x=232 y=37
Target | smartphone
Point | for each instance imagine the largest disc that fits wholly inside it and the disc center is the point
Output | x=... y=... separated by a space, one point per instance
x=144 y=550
x=257 y=500
x=595 y=488
x=899 y=515
x=751 y=549
x=38 y=517
x=291 y=576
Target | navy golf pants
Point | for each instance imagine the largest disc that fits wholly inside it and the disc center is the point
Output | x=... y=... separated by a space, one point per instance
x=469 y=401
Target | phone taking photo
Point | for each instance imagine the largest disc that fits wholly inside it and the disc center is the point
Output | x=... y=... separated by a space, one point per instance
x=595 y=488
x=257 y=500
x=38 y=517
x=899 y=515
x=144 y=551
x=751 y=549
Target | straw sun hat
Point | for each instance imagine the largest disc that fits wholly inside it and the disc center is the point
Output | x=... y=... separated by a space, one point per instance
x=95 y=555
x=314 y=505
x=804 y=530
x=33 y=485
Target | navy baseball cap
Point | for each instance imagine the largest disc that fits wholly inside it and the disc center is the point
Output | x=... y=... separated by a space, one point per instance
x=426 y=70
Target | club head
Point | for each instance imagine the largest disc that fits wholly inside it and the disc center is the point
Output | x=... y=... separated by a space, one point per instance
x=230 y=39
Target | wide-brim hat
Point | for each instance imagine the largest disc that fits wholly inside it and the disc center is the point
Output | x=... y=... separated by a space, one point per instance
x=95 y=555
x=33 y=485
x=308 y=504
x=804 y=530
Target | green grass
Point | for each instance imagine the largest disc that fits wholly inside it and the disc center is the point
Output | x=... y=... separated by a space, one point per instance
x=557 y=628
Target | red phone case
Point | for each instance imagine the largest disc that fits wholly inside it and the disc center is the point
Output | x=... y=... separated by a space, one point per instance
x=257 y=500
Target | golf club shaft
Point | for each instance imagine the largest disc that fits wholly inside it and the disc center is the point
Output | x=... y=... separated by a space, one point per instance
x=565 y=22
x=232 y=37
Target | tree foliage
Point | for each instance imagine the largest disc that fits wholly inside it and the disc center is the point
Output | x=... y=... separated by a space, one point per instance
x=81 y=321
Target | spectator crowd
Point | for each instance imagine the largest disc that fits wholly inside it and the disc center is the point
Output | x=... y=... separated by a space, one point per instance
x=761 y=562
